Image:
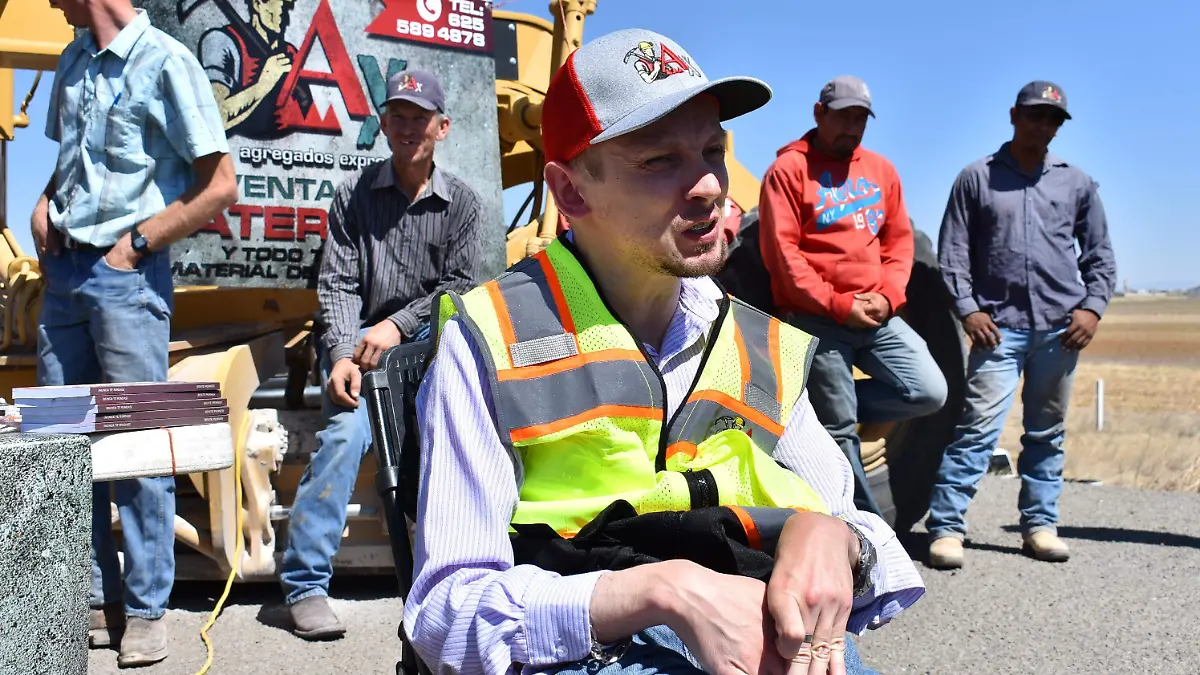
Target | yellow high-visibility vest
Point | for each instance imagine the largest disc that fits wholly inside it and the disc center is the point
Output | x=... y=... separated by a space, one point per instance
x=583 y=408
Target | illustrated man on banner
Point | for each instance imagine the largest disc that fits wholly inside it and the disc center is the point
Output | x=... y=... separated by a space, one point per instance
x=247 y=64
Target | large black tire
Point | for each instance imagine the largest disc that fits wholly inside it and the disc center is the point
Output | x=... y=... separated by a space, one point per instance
x=915 y=447
x=902 y=484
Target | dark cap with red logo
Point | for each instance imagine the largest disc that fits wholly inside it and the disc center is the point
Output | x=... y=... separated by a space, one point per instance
x=417 y=86
x=1041 y=92
x=627 y=80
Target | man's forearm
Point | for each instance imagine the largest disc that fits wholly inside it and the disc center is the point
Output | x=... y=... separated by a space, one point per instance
x=632 y=600
x=209 y=195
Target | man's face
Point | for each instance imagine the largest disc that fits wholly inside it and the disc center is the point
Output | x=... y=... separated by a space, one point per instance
x=412 y=130
x=840 y=131
x=75 y=11
x=273 y=14
x=1034 y=126
x=659 y=192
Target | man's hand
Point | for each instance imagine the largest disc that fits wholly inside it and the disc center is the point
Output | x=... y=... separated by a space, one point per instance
x=858 y=316
x=381 y=337
x=46 y=239
x=274 y=68
x=812 y=592
x=122 y=256
x=724 y=622
x=344 y=381
x=877 y=306
x=983 y=332
x=1082 y=329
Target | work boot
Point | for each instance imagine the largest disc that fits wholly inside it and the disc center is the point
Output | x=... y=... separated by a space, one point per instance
x=1045 y=545
x=105 y=625
x=315 y=620
x=144 y=642
x=946 y=553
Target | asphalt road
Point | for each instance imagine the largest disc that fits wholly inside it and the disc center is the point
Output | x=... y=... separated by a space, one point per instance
x=1128 y=601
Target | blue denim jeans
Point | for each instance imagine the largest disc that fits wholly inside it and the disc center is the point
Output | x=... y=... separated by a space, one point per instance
x=992 y=377
x=100 y=324
x=905 y=382
x=319 y=510
x=659 y=651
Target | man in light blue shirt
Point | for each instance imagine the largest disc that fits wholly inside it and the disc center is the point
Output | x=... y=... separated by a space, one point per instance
x=142 y=163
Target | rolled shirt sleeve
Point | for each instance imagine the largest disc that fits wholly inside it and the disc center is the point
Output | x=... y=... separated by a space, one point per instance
x=191 y=120
x=808 y=450
x=220 y=58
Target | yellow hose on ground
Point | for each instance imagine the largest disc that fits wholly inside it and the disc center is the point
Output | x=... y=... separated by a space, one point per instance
x=237 y=561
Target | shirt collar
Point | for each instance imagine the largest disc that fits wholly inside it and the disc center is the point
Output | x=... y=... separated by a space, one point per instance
x=386 y=178
x=125 y=40
x=1004 y=154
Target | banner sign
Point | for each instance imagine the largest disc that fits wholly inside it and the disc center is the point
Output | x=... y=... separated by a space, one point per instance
x=463 y=24
x=299 y=84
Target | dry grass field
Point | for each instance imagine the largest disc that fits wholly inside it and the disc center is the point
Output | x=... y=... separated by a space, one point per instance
x=1147 y=351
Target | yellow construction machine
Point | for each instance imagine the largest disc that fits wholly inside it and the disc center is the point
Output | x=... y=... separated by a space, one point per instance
x=245 y=299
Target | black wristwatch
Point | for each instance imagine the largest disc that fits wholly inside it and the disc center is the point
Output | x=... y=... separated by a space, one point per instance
x=866 y=561
x=139 y=242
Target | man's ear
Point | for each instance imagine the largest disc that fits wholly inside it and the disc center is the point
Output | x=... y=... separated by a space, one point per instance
x=443 y=127
x=561 y=181
x=1012 y=115
x=818 y=111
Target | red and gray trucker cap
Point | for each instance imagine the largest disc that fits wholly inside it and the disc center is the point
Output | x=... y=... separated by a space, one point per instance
x=627 y=80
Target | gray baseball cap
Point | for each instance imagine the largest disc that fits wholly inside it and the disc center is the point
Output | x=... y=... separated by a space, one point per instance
x=845 y=91
x=627 y=80
x=1043 y=92
x=417 y=86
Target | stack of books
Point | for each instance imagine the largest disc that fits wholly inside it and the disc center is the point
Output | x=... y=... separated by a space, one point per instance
x=127 y=406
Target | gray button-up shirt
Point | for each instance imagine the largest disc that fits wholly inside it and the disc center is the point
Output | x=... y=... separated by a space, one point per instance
x=1007 y=243
x=387 y=257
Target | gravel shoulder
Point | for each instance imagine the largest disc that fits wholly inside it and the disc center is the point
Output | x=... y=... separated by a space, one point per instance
x=1128 y=601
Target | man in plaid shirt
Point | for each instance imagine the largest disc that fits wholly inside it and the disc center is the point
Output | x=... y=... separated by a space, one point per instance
x=142 y=162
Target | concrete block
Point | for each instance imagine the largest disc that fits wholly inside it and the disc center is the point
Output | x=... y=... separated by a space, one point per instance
x=45 y=564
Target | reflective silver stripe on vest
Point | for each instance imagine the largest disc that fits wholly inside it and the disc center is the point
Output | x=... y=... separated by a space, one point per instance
x=543 y=350
x=701 y=418
x=762 y=389
x=530 y=302
x=541 y=400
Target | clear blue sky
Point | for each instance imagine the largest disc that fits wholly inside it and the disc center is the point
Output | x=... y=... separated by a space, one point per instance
x=943 y=76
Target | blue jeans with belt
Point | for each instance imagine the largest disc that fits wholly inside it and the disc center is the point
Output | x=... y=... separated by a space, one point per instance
x=659 y=651
x=905 y=383
x=992 y=377
x=102 y=324
x=319 y=510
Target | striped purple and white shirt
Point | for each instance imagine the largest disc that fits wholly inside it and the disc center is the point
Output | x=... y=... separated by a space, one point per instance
x=471 y=610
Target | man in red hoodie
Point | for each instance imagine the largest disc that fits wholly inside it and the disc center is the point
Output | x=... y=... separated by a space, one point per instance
x=838 y=245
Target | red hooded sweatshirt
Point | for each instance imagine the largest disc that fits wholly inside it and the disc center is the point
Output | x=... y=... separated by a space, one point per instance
x=831 y=228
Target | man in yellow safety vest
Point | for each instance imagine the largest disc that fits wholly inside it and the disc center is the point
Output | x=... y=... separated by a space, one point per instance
x=610 y=445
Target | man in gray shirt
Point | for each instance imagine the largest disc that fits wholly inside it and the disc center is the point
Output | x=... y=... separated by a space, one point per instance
x=1028 y=303
x=400 y=232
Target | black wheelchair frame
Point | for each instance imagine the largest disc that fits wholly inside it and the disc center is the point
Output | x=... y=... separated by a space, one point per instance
x=391 y=391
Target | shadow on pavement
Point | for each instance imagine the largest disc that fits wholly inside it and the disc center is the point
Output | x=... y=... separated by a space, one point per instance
x=202 y=596
x=994 y=548
x=1123 y=535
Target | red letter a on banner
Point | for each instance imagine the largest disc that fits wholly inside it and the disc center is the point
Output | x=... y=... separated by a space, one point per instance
x=341 y=76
